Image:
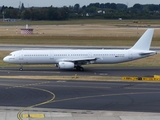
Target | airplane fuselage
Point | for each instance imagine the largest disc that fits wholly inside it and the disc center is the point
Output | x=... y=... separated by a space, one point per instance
x=56 y=56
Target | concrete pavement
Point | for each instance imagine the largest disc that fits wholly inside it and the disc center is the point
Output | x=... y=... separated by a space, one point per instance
x=10 y=113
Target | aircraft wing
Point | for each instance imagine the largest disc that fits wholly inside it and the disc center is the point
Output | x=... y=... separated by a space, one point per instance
x=81 y=60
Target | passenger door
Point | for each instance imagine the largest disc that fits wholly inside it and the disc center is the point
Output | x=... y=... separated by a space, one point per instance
x=51 y=55
x=130 y=55
x=21 y=55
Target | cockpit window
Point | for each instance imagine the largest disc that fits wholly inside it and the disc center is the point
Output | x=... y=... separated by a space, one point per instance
x=10 y=55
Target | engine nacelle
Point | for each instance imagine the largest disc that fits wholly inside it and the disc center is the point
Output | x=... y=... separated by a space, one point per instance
x=66 y=65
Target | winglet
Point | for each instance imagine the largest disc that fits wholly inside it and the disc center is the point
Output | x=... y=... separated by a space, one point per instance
x=145 y=41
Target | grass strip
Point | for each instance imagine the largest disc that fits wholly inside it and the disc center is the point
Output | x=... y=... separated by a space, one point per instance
x=85 y=78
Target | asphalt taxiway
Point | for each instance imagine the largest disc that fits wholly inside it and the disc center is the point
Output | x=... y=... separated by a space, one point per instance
x=109 y=71
x=110 y=96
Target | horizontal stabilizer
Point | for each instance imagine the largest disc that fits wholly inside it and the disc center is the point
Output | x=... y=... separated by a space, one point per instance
x=148 y=53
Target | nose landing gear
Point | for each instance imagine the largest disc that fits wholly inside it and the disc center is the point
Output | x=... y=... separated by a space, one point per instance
x=21 y=67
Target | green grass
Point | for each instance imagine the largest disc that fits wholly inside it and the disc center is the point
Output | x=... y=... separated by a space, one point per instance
x=73 y=40
x=83 y=21
x=67 y=22
x=66 y=40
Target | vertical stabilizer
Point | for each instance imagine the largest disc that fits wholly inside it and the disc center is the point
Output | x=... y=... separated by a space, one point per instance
x=145 y=41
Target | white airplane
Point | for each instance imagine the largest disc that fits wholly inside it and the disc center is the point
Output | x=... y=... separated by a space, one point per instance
x=69 y=59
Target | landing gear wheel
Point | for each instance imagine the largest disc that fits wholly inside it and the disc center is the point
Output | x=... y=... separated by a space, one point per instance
x=79 y=68
x=20 y=69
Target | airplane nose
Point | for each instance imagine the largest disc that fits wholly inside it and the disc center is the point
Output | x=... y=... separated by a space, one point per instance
x=5 y=59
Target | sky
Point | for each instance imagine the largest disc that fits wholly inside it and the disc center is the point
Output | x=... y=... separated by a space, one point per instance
x=61 y=3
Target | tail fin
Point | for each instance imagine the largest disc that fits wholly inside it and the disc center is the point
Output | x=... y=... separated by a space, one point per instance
x=145 y=41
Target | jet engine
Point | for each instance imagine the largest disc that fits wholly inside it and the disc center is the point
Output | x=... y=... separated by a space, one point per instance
x=66 y=65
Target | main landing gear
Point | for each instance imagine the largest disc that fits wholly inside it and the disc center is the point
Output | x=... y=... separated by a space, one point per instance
x=79 y=68
x=21 y=67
